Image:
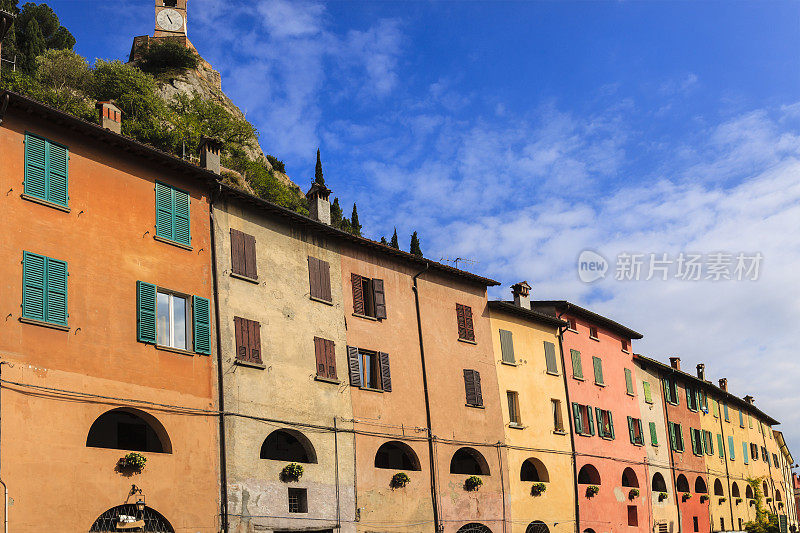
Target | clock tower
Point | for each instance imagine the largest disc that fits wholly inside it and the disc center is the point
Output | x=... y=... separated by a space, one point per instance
x=170 y=18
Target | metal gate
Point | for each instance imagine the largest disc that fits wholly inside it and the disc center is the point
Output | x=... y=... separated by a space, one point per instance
x=537 y=527
x=129 y=518
x=474 y=528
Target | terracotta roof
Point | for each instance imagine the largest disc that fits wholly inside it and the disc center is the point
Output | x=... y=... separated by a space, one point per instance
x=211 y=179
x=600 y=320
x=530 y=314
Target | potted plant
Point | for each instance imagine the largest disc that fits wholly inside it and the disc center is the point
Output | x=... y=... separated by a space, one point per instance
x=634 y=493
x=769 y=500
x=538 y=488
x=592 y=491
x=703 y=498
x=133 y=461
x=400 y=480
x=472 y=483
x=291 y=472
x=686 y=496
x=723 y=500
x=662 y=496
x=738 y=501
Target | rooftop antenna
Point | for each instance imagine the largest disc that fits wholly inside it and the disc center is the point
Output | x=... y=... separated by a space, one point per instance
x=457 y=260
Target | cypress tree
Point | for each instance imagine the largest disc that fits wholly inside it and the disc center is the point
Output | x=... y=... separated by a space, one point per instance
x=336 y=213
x=32 y=46
x=318 y=172
x=355 y=226
x=415 y=249
x=394 y=243
x=383 y=241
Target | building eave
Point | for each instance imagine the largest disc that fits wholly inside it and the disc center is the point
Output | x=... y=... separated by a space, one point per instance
x=595 y=318
x=529 y=314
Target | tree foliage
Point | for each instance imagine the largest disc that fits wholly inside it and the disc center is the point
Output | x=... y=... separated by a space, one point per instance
x=394 y=243
x=764 y=522
x=318 y=178
x=415 y=248
x=276 y=164
x=336 y=213
x=355 y=226
x=36 y=30
x=166 y=57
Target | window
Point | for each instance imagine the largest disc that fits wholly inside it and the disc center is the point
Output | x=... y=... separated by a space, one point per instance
x=298 y=500
x=721 y=524
x=633 y=517
x=708 y=443
x=703 y=401
x=629 y=478
x=288 y=445
x=572 y=324
x=577 y=367
x=658 y=485
x=46 y=170
x=128 y=429
x=671 y=391
x=764 y=454
x=173 y=320
x=775 y=460
x=750 y=420
x=368 y=297
x=44 y=289
x=718 y=491
x=558 y=420
x=697 y=441
x=628 y=381
x=396 y=455
x=725 y=411
x=513 y=408
x=534 y=470
x=648 y=394
x=625 y=345
x=676 y=436
x=319 y=278
x=507 y=346
x=472 y=386
x=696 y=523
x=369 y=369
x=653 y=434
x=731 y=449
x=691 y=398
x=735 y=490
x=592 y=332
x=584 y=420
x=741 y=419
x=325 y=356
x=635 y=431
x=605 y=423
x=550 y=358
x=754 y=452
x=248 y=340
x=588 y=475
x=715 y=404
x=598 y=370
x=745 y=455
x=682 y=484
x=172 y=214
x=741 y=525
x=469 y=461
x=720 y=446
x=464 y=319
x=243 y=255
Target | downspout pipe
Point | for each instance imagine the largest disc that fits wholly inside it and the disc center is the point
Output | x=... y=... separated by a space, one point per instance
x=672 y=453
x=568 y=408
x=5 y=488
x=434 y=494
x=223 y=465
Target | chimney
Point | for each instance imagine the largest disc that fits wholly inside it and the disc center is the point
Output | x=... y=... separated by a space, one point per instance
x=675 y=362
x=749 y=399
x=209 y=153
x=6 y=20
x=110 y=116
x=723 y=384
x=701 y=372
x=319 y=205
x=522 y=294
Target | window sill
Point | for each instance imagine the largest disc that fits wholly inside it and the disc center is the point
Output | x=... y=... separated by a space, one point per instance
x=241 y=276
x=173 y=243
x=259 y=366
x=572 y=330
x=174 y=350
x=594 y=338
x=327 y=380
x=630 y=394
x=559 y=432
x=552 y=373
x=606 y=438
x=475 y=406
x=43 y=324
x=467 y=341
x=516 y=426
x=41 y=201
x=600 y=384
x=509 y=363
x=367 y=317
x=585 y=435
x=370 y=389
x=320 y=300
x=578 y=379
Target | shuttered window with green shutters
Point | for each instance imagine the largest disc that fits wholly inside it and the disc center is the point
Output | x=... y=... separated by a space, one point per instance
x=598 y=370
x=154 y=313
x=635 y=431
x=653 y=434
x=628 y=381
x=671 y=391
x=550 y=358
x=577 y=367
x=46 y=170
x=720 y=446
x=172 y=214
x=676 y=437
x=44 y=289
x=648 y=395
x=745 y=457
x=731 y=449
x=507 y=346
x=202 y=325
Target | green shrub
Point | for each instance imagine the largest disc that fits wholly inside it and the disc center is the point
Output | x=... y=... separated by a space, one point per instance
x=276 y=164
x=538 y=488
x=166 y=56
x=292 y=472
x=134 y=461
x=472 y=483
x=400 y=480
x=592 y=491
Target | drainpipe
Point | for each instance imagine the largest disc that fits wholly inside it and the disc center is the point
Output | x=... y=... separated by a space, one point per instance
x=672 y=453
x=725 y=460
x=434 y=496
x=223 y=466
x=769 y=469
x=568 y=407
x=5 y=488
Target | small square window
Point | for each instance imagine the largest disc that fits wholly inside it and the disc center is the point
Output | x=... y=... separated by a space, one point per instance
x=593 y=332
x=173 y=320
x=572 y=324
x=633 y=516
x=625 y=345
x=513 y=408
x=298 y=500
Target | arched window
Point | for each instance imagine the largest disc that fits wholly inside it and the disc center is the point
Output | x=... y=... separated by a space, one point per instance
x=537 y=527
x=474 y=528
x=469 y=461
x=700 y=486
x=718 y=491
x=396 y=455
x=682 y=484
x=533 y=470
x=129 y=429
x=659 y=485
x=288 y=445
x=154 y=522
x=748 y=492
x=588 y=475
x=629 y=478
x=588 y=530
x=735 y=490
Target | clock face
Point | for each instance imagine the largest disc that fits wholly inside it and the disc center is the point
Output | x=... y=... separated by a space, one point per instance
x=169 y=20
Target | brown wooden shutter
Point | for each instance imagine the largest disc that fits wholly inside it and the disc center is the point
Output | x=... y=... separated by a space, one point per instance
x=313 y=277
x=462 y=330
x=379 y=297
x=237 y=252
x=470 y=332
x=325 y=280
x=386 y=375
x=242 y=338
x=255 y=341
x=358 y=294
x=251 y=270
x=321 y=357
x=478 y=394
x=330 y=358
x=352 y=362
x=472 y=385
x=248 y=340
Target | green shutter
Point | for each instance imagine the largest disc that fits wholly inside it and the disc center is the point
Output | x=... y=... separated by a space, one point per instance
x=56 y=303
x=653 y=434
x=576 y=413
x=741 y=419
x=34 y=269
x=679 y=436
x=146 y=312
x=716 y=408
x=46 y=170
x=202 y=325
x=598 y=370
x=577 y=368
x=744 y=453
x=731 y=449
x=648 y=395
x=694 y=440
x=181 y=220
x=506 y=346
x=725 y=410
x=720 y=446
x=599 y=417
x=672 y=441
x=589 y=420
x=704 y=440
x=164 y=211
x=710 y=444
x=630 y=430
x=611 y=423
x=57 y=174
x=628 y=381
x=550 y=357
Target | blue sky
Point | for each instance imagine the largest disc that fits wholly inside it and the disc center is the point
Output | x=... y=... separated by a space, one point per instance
x=519 y=134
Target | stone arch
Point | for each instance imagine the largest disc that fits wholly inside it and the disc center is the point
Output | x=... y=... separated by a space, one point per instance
x=288 y=445
x=396 y=455
x=588 y=475
x=718 y=490
x=682 y=484
x=659 y=485
x=152 y=521
x=629 y=478
x=469 y=461
x=534 y=470
x=126 y=428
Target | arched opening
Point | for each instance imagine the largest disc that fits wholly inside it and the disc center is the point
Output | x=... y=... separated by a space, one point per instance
x=629 y=478
x=766 y=490
x=659 y=485
x=395 y=455
x=151 y=520
x=474 y=527
x=748 y=492
x=718 y=491
x=534 y=470
x=682 y=484
x=469 y=461
x=588 y=475
x=537 y=527
x=288 y=445
x=700 y=486
x=735 y=490
x=129 y=429
x=588 y=530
